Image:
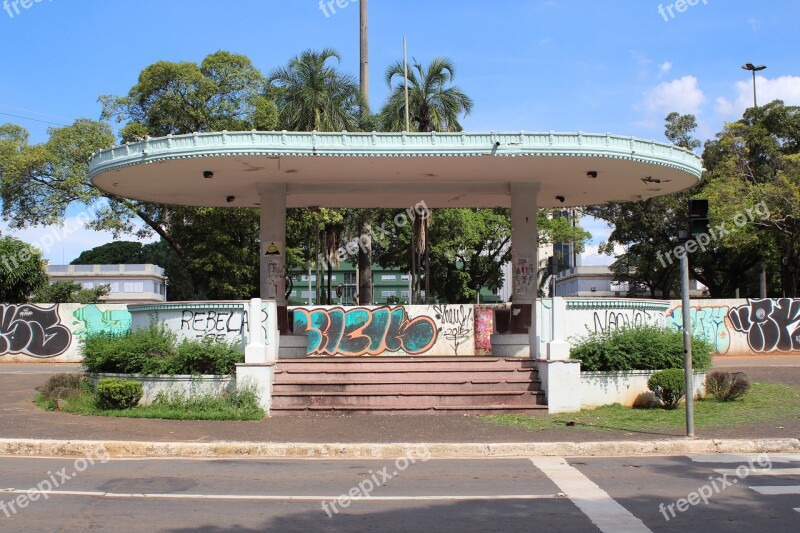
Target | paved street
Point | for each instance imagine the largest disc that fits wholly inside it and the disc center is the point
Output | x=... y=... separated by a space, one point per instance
x=410 y=494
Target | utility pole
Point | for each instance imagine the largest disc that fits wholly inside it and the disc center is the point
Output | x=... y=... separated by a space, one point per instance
x=364 y=73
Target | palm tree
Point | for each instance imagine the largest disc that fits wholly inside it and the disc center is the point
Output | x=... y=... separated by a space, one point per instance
x=433 y=106
x=312 y=95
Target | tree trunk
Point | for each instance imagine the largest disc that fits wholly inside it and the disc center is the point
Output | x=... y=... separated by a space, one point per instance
x=365 y=261
x=427 y=263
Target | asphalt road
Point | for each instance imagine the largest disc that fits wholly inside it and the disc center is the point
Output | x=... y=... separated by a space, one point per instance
x=525 y=494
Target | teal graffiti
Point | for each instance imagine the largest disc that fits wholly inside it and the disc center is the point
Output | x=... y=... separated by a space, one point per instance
x=94 y=321
x=708 y=323
x=363 y=331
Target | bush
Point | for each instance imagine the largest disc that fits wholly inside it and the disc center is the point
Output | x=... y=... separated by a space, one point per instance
x=57 y=384
x=727 y=386
x=638 y=348
x=155 y=350
x=668 y=386
x=115 y=393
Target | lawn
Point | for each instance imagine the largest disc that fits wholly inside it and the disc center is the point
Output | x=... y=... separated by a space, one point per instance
x=764 y=402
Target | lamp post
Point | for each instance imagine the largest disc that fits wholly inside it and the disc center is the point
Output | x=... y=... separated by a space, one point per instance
x=752 y=68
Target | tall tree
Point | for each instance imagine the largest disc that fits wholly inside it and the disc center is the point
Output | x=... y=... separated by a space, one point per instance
x=23 y=270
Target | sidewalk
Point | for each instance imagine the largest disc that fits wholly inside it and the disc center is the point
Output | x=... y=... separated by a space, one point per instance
x=20 y=420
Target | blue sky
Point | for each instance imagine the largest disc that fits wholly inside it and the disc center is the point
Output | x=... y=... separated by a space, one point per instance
x=616 y=66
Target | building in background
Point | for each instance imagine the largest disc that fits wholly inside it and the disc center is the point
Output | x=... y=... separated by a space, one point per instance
x=128 y=283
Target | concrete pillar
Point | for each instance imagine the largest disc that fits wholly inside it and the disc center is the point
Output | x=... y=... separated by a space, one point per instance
x=273 y=241
x=524 y=253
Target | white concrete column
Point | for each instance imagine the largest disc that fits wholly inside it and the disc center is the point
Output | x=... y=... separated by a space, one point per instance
x=524 y=253
x=558 y=348
x=273 y=242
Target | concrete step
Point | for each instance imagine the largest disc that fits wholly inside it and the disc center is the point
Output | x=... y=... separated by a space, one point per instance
x=381 y=384
x=410 y=410
x=406 y=399
x=392 y=364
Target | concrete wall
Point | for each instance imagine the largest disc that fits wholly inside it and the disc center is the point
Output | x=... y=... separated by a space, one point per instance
x=51 y=333
x=626 y=388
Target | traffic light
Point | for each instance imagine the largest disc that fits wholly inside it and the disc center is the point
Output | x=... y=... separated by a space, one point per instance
x=698 y=217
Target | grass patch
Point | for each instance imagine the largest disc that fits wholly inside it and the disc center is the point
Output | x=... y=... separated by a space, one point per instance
x=238 y=405
x=764 y=402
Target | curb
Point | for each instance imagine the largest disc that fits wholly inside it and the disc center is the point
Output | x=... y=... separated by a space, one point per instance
x=437 y=450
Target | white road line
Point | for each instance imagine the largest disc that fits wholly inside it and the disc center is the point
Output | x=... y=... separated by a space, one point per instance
x=744 y=459
x=797 y=509
x=777 y=490
x=760 y=471
x=275 y=497
x=604 y=512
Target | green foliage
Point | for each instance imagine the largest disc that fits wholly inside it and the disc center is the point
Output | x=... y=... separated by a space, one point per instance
x=232 y=405
x=63 y=292
x=638 y=348
x=669 y=386
x=727 y=386
x=23 y=270
x=114 y=253
x=61 y=386
x=115 y=393
x=155 y=350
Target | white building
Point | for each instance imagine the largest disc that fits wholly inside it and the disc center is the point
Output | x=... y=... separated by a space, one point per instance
x=128 y=283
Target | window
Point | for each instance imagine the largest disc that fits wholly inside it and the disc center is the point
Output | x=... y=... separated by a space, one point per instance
x=114 y=286
x=404 y=294
x=388 y=294
x=349 y=278
x=405 y=277
x=304 y=277
x=133 y=286
x=88 y=285
x=389 y=277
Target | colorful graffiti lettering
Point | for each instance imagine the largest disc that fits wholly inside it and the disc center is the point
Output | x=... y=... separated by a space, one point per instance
x=362 y=331
x=33 y=331
x=770 y=325
x=94 y=321
x=707 y=323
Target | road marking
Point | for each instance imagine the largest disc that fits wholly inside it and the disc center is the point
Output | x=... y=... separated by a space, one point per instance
x=760 y=471
x=797 y=509
x=777 y=491
x=744 y=459
x=275 y=497
x=604 y=512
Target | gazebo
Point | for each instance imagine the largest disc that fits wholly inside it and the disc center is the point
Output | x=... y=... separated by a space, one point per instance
x=277 y=170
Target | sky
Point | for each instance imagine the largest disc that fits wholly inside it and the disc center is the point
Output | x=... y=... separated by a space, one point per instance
x=617 y=66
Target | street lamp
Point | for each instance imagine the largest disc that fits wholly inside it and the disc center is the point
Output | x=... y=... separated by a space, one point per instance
x=752 y=68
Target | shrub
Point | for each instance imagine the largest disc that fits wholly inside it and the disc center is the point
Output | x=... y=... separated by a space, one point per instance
x=727 y=386
x=638 y=348
x=115 y=393
x=143 y=351
x=155 y=350
x=56 y=385
x=668 y=386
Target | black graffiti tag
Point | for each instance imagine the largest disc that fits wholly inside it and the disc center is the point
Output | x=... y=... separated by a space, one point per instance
x=32 y=330
x=770 y=325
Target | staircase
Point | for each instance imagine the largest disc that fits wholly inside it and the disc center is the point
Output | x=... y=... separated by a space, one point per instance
x=406 y=385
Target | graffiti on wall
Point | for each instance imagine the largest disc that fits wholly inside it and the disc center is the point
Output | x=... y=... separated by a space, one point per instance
x=484 y=327
x=94 y=321
x=364 y=331
x=770 y=325
x=610 y=320
x=32 y=330
x=707 y=323
x=457 y=323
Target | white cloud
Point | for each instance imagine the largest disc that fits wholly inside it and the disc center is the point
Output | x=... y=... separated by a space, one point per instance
x=786 y=88
x=682 y=95
x=592 y=257
x=664 y=68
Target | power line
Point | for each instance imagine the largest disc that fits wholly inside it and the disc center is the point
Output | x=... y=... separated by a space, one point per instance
x=33 y=119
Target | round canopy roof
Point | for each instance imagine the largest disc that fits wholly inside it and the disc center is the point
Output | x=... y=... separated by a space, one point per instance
x=395 y=170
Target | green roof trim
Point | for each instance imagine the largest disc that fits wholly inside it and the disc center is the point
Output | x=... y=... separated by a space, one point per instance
x=605 y=303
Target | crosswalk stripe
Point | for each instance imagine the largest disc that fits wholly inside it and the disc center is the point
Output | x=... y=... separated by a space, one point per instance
x=604 y=512
x=761 y=471
x=777 y=490
x=744 y=459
